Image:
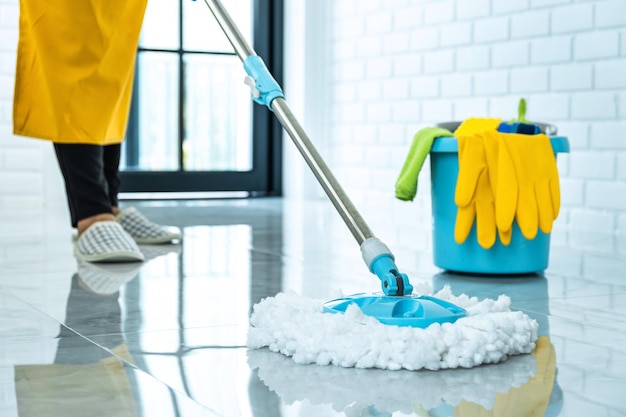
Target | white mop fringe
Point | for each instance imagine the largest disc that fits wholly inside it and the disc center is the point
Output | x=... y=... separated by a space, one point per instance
x=297 y=327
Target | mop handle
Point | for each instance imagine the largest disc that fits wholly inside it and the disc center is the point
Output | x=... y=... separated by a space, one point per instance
x=267 y=91
x=279 y=106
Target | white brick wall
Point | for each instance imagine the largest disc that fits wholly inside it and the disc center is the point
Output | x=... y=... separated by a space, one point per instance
x=477 y=58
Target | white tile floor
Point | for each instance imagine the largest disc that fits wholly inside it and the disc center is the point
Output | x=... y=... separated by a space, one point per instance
x=167 y=337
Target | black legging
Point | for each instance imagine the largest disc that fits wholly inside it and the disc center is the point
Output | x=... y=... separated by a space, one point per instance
x=91 y=175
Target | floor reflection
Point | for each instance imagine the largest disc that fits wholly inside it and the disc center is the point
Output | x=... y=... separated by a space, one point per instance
x=186 y=316
x=353 y=391
x=88 y=379
x=92 y=374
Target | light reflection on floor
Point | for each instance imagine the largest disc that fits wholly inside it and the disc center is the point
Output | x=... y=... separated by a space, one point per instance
x=167 y=337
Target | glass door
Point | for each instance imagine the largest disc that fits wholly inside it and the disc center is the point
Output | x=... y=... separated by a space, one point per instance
x=193 y=126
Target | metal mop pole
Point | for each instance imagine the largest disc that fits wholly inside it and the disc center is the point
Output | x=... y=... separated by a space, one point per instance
x=266 y=91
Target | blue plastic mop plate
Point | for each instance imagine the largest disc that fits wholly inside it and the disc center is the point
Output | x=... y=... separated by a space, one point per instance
x=415 y=311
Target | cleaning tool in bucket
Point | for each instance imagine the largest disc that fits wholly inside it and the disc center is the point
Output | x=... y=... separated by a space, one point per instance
x=418 y=331
x=398 y=306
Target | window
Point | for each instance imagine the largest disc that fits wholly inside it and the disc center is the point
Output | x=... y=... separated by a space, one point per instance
x=193 y=125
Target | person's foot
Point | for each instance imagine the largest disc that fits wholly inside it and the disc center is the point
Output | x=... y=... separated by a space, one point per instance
x=106 y=241
x=83 y=224
x=143 y=231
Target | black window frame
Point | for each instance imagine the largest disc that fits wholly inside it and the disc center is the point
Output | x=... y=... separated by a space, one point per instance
x=265 y=178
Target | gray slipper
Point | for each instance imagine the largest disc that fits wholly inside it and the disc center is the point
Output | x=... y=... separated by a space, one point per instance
x=143 y=230
x=106 y=242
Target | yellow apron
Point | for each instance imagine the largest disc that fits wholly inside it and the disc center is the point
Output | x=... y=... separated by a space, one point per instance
x=75 y=69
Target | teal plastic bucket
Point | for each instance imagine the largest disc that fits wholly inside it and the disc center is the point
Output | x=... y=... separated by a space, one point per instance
x=522 y=256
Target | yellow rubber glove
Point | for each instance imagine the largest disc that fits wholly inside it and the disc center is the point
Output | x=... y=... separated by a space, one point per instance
x=528 y=187
x=475 y=125
x=474 y=196
x=491 y=142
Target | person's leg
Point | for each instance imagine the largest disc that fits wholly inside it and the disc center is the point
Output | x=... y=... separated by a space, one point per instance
x=139 y=227
x=85 y=184
x=100 y=237
x=111 y=164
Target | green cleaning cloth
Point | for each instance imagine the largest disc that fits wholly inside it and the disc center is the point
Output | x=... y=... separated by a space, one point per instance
x=406 y=184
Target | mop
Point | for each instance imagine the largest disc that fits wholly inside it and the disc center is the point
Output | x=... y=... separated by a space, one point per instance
x=394 y=330
x=297 y=327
